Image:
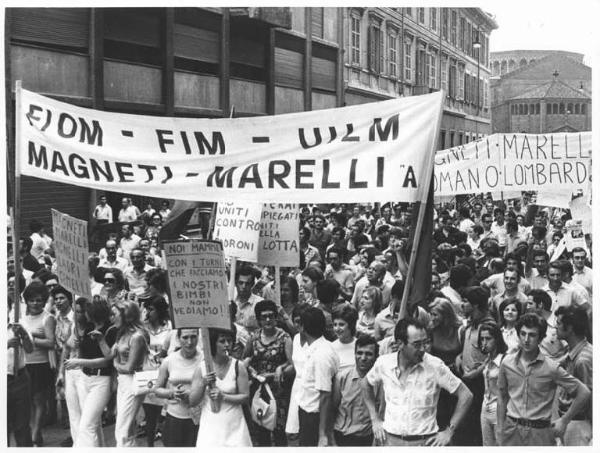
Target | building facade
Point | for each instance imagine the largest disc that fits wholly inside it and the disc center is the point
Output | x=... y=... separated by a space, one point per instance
x=394 y=52
x=510 y=60
x=215 y=62
x=548 y=94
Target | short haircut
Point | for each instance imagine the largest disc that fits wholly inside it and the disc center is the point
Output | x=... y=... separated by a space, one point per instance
x=566 y=266
x=61 y=290
x=313 y=322
x=35 y=289
x=486 y=216
x=460 y=276
x=555 y=265
x=313 y=273
x=540 y=296
x=348 y=314
x=537 y=253
x=245 y=271
x=137 y=249
x=214 y=334
x=264 y=305
x=339 y=252
x=516 y=271
x=576 y=317
x=478 y=297
x=505 y=303
x=532 y=321
x=98 y=310
x=327 y=290
x=366 y=340
x=401 y=329
x=498 y=211
x=579 y=250
x=187 y=328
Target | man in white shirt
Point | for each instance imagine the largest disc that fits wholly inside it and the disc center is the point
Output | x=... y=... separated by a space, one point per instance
x=103 y=213
x=112 y=260
x=499 y=227
x=412 y=380
x=129 y=240
x=314 y=399
x=136 y=273
x=128 y=213
x=561 y=294
x=41 y=241
x=465 y=221
x=581 y=273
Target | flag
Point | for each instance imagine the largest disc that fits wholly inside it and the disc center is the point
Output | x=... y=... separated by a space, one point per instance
x=177 y=220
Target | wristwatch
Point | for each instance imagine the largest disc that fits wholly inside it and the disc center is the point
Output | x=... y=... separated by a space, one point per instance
x=452 y=428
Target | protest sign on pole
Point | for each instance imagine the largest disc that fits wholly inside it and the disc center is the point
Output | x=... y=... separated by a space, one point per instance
x=197 y=284
x=554 y=198
x=71 y=246
x=582 y=212
x=237 y=225
x=361 y=152
x=278 y=243
x=511 y=162
x=574 y=236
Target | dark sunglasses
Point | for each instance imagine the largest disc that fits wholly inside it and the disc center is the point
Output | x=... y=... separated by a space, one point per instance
x=109 y=280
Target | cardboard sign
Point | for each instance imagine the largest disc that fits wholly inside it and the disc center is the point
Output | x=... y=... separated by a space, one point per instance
x=574 y=237
x=197 y=284
x=554 y=199
x=279 y=242
x=581 y=211
x=237 y=225
x=72 y=251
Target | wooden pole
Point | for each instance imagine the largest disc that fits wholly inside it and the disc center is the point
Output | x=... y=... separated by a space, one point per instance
x=277 y=285
x=214 y=406
x=16 y=216
x=424 y=192
x=232 y=278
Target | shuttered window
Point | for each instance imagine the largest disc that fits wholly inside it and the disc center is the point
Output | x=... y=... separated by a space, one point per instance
x=196 y=40
x=317 y=22
x=66 y=28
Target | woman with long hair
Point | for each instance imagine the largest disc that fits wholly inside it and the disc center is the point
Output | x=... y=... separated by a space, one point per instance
x=174 y=383
x=509 y=312
x=490 y=341
x=268 y=358
x=289 y=295
x=73 y=379
x=41 y=325
x=370 y=304
x=159 y=329
x=97 y=371
x=444 y=328
x=227 y=387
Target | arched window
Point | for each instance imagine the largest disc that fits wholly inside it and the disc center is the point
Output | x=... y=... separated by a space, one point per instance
x=555 y=109
x=548 y=109
x=532 y=61
x=570 y=108
x=562 y=108
x=523 y=62
x=520 y=109
x=503 y=67
x=511 y=65
x=512 y=109
x=583 y=109
x=496 y=67
x=531 y=109
x=537 y=108
x=576 y=109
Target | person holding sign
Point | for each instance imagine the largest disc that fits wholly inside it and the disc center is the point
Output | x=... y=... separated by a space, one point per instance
x=227 y=385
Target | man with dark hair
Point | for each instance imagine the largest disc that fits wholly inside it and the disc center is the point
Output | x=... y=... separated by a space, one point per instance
x=498 y=227
x=245 y=300
x=129 y=240
x=527 y=384
x=511 y=291
x=319 y=236
x=340 y=272
x=486 y=223
x=560 y=293
x=411 y=381
x=567 y=278
x=352 y=424
x=27 y=259
x=103 y=213
x=582 y=274
x=41 y=241
x=464 y=218
x=538 y=277
x=309 y=251
x=446 y=232
x=314 y=399
x=327 y=294
x=460 y=276
x=572 y=326
x=513 y=237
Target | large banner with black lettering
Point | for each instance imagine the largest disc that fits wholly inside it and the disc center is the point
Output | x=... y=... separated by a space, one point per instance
x=509 y=162
x=359 y=153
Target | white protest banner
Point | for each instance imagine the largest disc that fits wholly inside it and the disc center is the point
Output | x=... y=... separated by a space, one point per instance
x=554 y=199
x=197 y=284
x=363 y=153
x=71 y=246
x=574 y=236
x=278 y=244
x=582 y=212
x=510 y=162
x=237 y=225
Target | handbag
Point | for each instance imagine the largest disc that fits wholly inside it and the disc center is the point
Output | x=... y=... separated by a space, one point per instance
x=264 y=408
x=144 y=381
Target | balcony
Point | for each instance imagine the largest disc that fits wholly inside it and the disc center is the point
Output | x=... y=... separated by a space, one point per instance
x=275 y=17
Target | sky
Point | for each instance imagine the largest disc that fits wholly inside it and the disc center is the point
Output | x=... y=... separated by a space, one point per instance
x=549 y=25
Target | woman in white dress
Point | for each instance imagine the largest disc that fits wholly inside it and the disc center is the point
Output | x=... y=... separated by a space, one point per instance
x=228 y=389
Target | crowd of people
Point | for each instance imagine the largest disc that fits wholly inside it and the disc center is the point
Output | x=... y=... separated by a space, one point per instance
x=498 y=353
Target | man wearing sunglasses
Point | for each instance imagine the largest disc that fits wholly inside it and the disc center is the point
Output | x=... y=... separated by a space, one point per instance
x=411 y=381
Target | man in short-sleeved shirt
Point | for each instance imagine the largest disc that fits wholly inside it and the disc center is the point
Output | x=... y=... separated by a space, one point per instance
x=411 y=381
x=316 y=382
x=527 y=383
x=581 y=273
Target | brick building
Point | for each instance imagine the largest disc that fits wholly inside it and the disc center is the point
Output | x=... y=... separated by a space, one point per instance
x=550 y=94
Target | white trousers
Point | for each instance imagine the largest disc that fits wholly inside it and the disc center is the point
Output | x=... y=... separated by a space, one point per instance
x=74 y=395
x=128 y=406
x=96 y=396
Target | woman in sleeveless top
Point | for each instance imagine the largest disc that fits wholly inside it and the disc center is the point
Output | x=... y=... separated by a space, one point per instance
x=174 y=383
x=445 y=344
x=41 y=325
x=227 y=387
x=490 y=341
x=128 y=355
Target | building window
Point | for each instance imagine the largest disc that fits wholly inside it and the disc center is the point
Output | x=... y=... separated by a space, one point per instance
x=375 y=48
x=317 y=22
x=583 y=107
x=570 y=108
x=548 y=109
x=445 y=23
x=408 y=12
x=562 y=108
x=444 y=81
x=452 y=79
x=576 y=109
x=432 y=69
x=433 y=18
x=537 y=109
x=460 y=82
x=408 y=58
x=463 y=31
x=451 y=139
x=485 y=94
x=469 y=45
x=421 y=15
x=393 y=54
x=355 y=40
x=442 y=139
x=453 y=28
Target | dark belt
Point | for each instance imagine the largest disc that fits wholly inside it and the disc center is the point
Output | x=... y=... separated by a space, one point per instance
x=412 y=438
x=531 y=423
x=96 y=371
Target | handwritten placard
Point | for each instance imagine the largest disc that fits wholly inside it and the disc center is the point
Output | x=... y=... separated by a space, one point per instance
x=197 y=284
x=237 y=225
x=278 y=243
